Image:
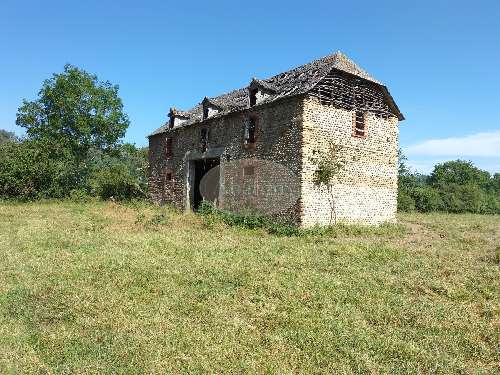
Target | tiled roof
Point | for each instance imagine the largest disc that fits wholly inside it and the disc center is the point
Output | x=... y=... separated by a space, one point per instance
x=293 y=82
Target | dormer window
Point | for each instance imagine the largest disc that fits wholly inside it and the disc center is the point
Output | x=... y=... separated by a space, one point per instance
x=259 y=91
x=209 y=108
x=176 y=118
x=253 y=96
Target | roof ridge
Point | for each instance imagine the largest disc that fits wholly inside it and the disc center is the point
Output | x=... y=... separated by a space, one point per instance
x=334 y=56
x=342 y=58
x=298 y=80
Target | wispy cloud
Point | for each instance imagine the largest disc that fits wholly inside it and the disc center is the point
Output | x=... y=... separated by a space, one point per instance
x=426 y=165
x=486 y=144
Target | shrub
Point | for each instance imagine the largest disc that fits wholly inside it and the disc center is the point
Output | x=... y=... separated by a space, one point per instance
x=427 y=199
x=406 y=203
x=473 y=198
x=463 y=198
x=34 y=170
x=252 y=221
x=246 y=220
x=126 y=164
x=492 y=204
x=115 y=181
x=80 y=195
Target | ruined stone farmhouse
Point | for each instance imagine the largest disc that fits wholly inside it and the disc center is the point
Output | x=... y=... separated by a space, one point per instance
x=289 y=120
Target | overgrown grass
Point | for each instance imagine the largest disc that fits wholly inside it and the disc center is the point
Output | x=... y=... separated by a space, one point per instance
x=109 y=288
x=250 y=220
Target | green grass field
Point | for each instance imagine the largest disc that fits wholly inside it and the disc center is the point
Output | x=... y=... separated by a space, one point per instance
x=107 y=288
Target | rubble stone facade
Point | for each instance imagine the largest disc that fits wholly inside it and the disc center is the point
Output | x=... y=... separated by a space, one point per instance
x=292 y=127
x=366 y=188
x=278 y=139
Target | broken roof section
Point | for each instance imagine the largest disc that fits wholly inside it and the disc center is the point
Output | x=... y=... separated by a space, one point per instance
x=297 y=81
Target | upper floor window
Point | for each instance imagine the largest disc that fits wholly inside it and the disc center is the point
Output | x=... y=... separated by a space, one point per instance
x=359 y=124
x=206 y=112
x=169 y=148
x=250 y=129
x=204 y=140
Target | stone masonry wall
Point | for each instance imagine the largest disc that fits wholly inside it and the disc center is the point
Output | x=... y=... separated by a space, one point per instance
x=366 y=190
x=157 y=168
x=278 y=139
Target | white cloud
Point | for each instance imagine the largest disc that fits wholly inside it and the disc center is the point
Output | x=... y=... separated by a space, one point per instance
x=485 y=144
x=426 y=165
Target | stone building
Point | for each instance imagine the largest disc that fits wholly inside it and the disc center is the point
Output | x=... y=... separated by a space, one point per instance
x=290 y=119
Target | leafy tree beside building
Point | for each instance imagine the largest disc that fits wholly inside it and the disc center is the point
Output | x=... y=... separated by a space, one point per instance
x=454 y=186
x=73 y=143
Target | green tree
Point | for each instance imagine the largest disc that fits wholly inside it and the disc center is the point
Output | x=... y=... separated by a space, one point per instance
x=458 y=172
x=75 y=111
x=329 y=165
x=408 y=181
x=465 y=188
x=495 y=184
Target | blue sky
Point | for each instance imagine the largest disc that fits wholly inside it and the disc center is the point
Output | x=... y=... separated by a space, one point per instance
x=440 y=59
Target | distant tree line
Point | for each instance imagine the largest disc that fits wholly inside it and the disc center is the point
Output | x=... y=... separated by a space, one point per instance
x=72 y=146
x=454 y=186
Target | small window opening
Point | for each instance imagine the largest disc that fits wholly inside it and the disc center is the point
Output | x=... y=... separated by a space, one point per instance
x=248 y=171
x=250 y=131
x=169 y=177
x=359 y=124
x=205 y=112
x=169 y=148
x=204 y=140
x=253 y=97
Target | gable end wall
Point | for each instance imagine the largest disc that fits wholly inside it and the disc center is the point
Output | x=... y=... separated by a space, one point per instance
x=366 y=190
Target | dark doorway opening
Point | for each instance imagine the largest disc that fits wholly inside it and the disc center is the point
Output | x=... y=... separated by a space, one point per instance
x=201 y=167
